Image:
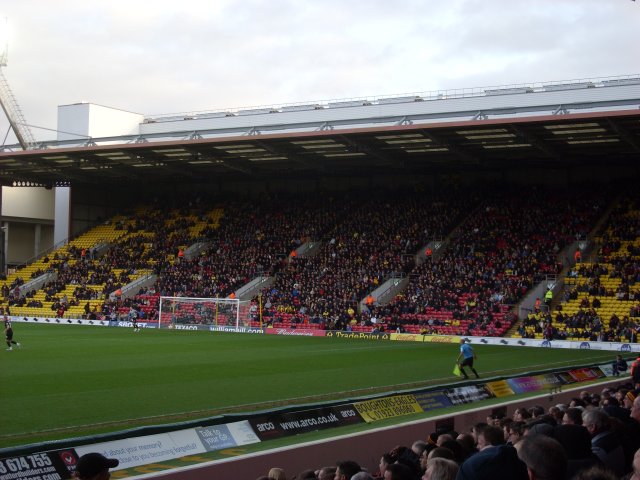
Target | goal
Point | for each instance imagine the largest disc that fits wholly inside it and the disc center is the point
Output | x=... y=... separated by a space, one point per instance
x=203 y=313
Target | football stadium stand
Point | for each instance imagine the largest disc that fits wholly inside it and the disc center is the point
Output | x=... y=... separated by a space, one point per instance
x=505 y=211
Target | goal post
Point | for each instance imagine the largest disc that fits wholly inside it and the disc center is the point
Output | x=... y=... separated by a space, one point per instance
x=203 y=313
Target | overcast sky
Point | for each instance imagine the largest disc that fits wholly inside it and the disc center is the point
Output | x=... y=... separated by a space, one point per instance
x=166 y=56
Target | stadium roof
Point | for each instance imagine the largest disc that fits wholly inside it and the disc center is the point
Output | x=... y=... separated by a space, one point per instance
x=558 y=127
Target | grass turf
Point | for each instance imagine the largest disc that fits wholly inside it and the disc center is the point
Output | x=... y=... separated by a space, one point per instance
x=69 y=381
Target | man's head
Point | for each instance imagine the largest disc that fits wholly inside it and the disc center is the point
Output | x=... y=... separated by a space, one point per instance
x=475 y=430
x=326 y=473
x=440 y=468
x=595 y=473
x=490 y=436
x=596 y=421
x=496 y=463
x=346 y=470
x=418 y=447
x=635 y=409
x=441 y=452
x=95 y=466
x=468 y=444
x=361 y=476
x=572 y=416
x=515 y=431
x=443 y=437
x=521 y=414
x=536 y=411
x=398 y=471
x=544 y=457
x=636 y=466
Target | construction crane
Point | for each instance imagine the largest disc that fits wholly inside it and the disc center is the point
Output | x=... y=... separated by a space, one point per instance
x=8 y=100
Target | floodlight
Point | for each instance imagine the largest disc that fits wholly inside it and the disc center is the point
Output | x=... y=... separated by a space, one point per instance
x=4 y=41
x=8 y=101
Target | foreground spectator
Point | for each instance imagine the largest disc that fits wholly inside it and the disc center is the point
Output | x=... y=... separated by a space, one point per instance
x=494 y=461
x=326 y=473
x=399 y=471
x=499 y=462
x=545 y=458
x=440 y=469
x=361 y=476
x=94 y=466
x=572 y=416
x=490 y=436
x=277 y=474
x=576 y=442
x=605 y=443
x=418 y=447
x=595 y=473
x=346 y=470
x=636 y=466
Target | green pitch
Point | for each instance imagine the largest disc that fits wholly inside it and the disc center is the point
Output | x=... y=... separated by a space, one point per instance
x=70 y=381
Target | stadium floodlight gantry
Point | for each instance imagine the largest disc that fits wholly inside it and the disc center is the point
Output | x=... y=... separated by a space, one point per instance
x=7 y=98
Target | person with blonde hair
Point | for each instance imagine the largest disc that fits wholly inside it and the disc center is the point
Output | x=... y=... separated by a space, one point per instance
x=440 y=469
x=277 y=474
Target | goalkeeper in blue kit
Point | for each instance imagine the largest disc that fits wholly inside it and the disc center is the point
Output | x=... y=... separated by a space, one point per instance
x=468 y=356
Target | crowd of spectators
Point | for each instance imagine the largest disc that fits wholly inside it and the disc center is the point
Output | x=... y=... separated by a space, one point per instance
x=505 y=241
x=585 y=324
x=594 y=437
x=512 y=240
x=375 y=237
x=251 y=240
x=614 y=275
x=362 y=244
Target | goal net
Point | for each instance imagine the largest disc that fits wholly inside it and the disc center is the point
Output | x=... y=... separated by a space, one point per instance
x=198 y=313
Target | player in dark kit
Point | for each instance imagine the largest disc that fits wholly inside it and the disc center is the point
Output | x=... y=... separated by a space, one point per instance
x=8 y=333
x=133 y=316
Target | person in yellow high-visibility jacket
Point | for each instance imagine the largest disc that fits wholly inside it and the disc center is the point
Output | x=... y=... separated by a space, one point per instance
x=548 y=297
